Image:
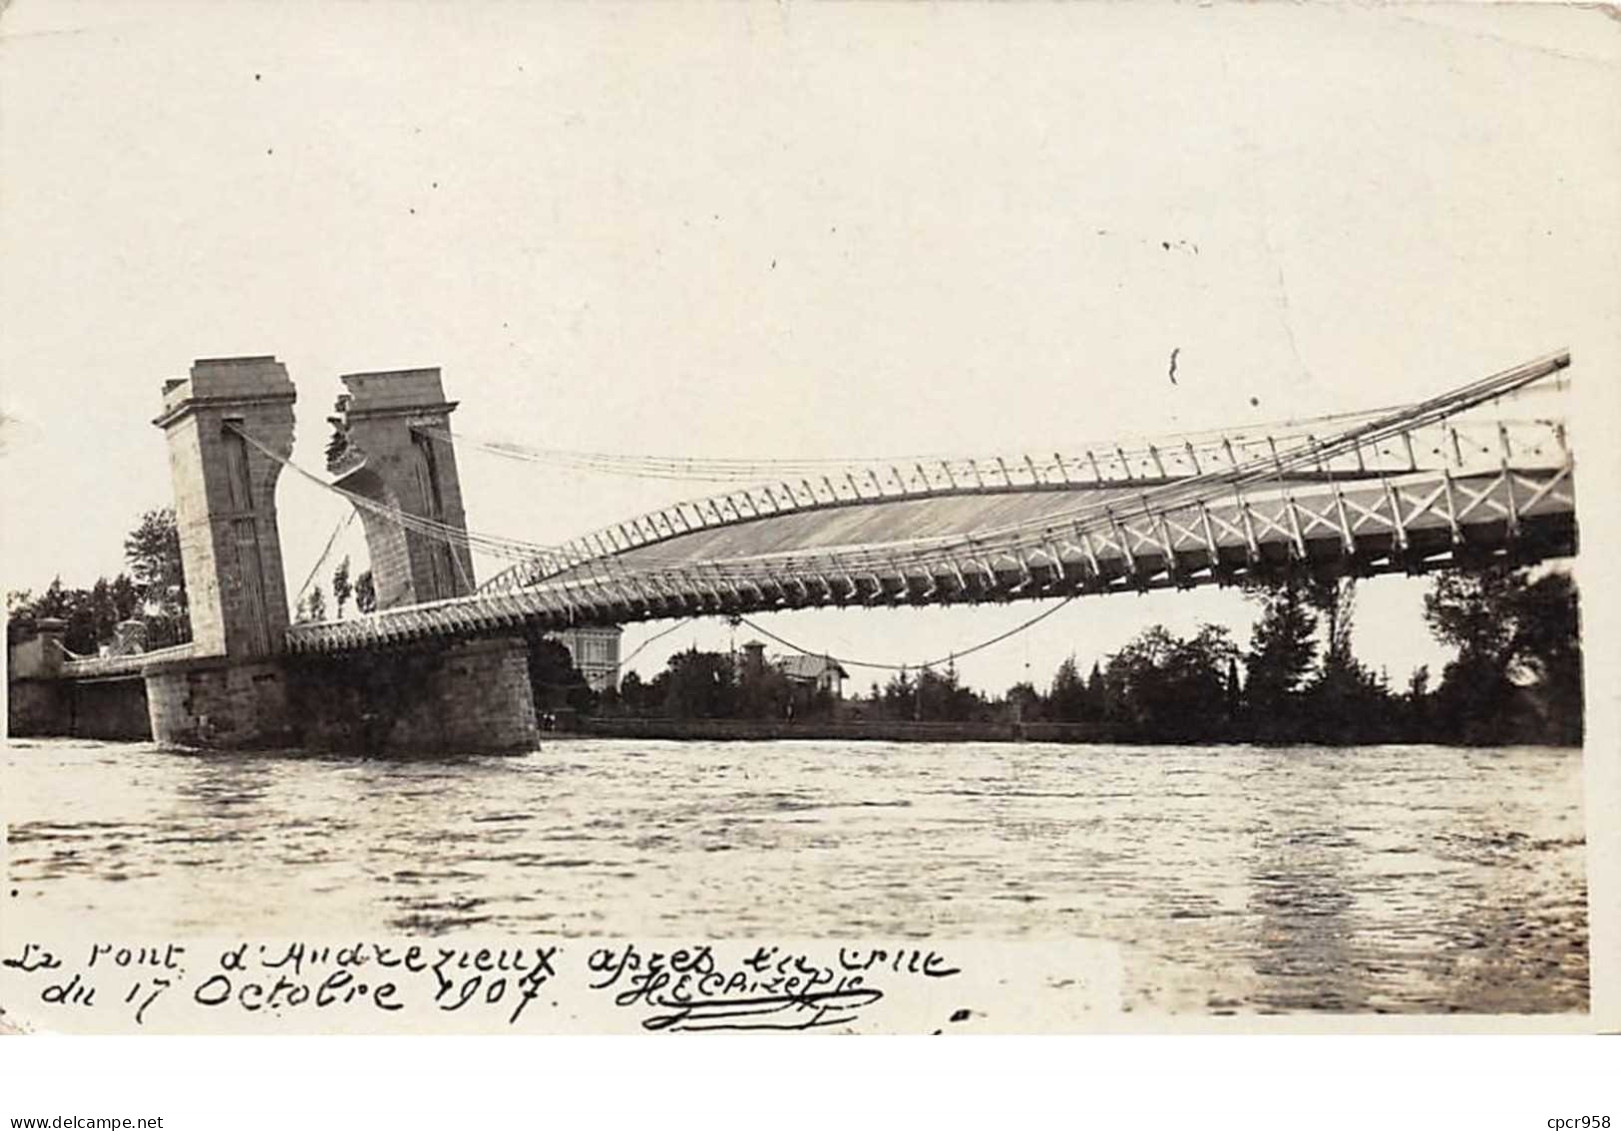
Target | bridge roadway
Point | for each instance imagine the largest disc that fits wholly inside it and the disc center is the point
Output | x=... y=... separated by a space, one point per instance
x=995 y=490
x=1378 y=524
x=1452 y=479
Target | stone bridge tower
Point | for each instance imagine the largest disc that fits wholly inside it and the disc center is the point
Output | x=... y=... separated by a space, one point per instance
x=229 y=426
x=230 y=691
x=392 y=447
x=225 y=499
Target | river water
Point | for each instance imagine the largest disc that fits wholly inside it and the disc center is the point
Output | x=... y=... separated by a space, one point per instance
x=1391 y=879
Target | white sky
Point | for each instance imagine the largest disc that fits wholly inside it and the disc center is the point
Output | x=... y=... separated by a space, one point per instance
x=787 y=231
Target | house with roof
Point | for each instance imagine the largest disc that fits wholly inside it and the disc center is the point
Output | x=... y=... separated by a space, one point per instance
x=819 y=673
x=813 y=673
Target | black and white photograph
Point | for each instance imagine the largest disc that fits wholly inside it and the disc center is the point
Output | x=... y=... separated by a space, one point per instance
x=892 y=519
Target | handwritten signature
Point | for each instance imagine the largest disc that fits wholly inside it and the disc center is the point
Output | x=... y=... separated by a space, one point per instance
x=770 y=988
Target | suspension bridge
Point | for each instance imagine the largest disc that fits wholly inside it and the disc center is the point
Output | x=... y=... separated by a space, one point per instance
x=1407 y=489
x=1477 y=473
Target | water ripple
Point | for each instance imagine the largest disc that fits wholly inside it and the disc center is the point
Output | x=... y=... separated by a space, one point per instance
x=1236 y=880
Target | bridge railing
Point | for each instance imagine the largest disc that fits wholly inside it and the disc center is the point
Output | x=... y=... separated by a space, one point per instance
x=1416 y=520
x=1404 y=488
x=95 y=667
x=1461 y=445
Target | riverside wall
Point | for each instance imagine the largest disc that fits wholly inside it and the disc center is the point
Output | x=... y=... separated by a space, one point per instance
x=766 y=730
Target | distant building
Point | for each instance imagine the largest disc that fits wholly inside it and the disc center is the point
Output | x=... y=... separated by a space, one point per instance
x=817 y=672
x=595 y=652
x=753 y=659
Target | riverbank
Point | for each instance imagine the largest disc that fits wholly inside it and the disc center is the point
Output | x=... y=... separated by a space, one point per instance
x=873 y=730
x=890 y=730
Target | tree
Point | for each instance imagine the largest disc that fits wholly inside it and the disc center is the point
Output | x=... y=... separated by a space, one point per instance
x=900 y=697
x=554 y=680
x=1466 y=609
x=1332 y=599
x=365 y=593
x=1416 y=703
x=1517 y=676
x=941 y=698
x=1548 y=653
x=1099 y=694
x=1418 y=684
x=1069 y=699
x=1291 y=694
x=633 y=693
x=20 y=616
x=1348 y=703
x=765 y=693
x=108 y=604
x=700 y=685
x=342 y=590
x=1166 y=686
x=1025 y=704
x=89 y=616
x=312 y=607
x=152 y=552
x=1282 y=648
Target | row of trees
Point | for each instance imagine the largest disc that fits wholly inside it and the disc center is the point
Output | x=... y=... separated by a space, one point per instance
x=693 y=685
x=1516 y=677
x=151 y=589
x=715 y=685
x=311 y=605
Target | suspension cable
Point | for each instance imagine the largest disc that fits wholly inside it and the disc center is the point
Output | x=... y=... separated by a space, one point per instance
x=1183 y=492
x=496 y=546
x=332 y=540
x=954 y=656
x=723 y=469
x=1188 y=491
x=1010 y=538
x=642 y=647
x=726 y=469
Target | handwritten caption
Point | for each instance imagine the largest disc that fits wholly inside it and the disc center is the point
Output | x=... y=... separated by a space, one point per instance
x=369 y=984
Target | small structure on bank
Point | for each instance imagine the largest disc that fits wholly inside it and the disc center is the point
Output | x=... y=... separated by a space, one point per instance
x=813 y=673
